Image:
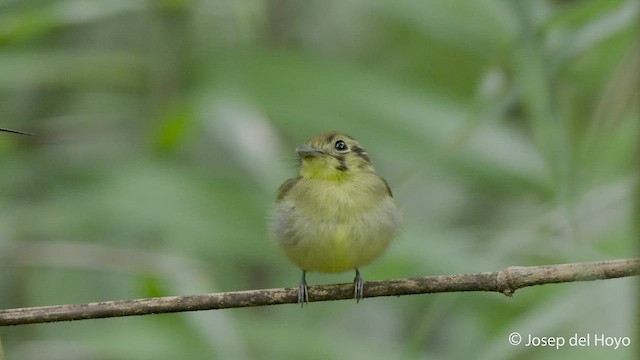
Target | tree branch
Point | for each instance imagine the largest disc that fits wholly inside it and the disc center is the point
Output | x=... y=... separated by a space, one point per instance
x=506 y=281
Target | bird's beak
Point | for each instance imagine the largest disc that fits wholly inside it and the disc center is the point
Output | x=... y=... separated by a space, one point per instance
x=305 y=151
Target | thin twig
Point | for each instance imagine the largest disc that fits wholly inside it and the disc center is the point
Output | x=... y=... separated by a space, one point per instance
x=15 y=132
x=506 y=281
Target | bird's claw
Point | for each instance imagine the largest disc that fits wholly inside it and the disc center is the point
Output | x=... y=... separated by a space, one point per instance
x=303 y=291
x=359 y=287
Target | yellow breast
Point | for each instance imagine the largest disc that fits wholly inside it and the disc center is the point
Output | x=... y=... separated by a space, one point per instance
x=335 y=226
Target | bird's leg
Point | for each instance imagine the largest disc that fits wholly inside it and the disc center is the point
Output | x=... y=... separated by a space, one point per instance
x=303 y=292
x=359 y=287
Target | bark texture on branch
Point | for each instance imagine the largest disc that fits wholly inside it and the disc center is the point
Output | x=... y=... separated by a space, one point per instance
x=506 y=281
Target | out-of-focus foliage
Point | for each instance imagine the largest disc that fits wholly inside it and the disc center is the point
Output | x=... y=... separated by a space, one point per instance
x=506 y=129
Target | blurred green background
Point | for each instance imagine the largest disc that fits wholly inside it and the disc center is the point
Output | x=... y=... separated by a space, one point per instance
x=508 y=131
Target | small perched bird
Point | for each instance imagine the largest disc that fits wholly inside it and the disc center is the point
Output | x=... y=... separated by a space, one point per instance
x=338 y=214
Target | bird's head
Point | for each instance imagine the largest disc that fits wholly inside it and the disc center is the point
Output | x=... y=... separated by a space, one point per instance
x=332 y=156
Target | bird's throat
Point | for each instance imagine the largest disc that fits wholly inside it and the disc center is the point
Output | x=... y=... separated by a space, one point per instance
x=322 y=168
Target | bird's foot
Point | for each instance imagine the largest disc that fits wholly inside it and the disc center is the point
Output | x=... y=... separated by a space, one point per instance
x=303 y=291
x=359 y=287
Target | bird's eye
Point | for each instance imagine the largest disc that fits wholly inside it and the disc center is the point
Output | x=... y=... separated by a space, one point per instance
x=341 y=146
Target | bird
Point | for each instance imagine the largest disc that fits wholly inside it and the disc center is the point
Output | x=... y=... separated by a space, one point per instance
x=337 y=215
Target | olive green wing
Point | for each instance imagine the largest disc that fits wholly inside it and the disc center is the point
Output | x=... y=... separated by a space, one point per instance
x=285 y=187
x=387 y=185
